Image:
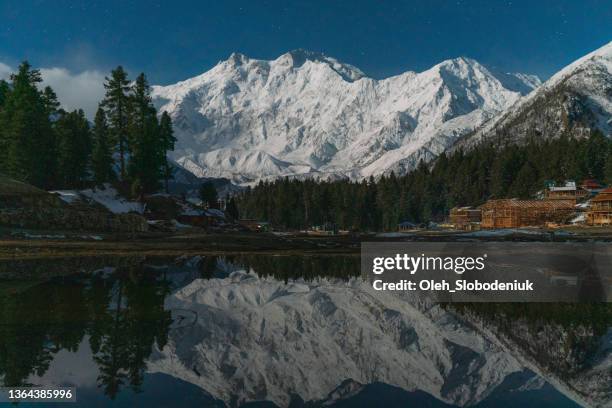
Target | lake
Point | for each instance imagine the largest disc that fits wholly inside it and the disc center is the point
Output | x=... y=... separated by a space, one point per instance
x=263 y=330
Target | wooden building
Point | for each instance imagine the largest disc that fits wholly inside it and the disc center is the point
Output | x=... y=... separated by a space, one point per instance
x=591 y=186
x=568 y=191
x=465 y=217
x=514 y=213
x=600 y=212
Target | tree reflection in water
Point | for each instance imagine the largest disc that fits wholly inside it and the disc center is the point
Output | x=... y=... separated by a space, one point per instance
x=122 y=314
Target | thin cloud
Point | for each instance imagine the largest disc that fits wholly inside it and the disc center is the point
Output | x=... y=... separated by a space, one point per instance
x=5 y=71
x=82 y=90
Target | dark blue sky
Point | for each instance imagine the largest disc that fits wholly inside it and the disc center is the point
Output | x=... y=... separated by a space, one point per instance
x=173 y=40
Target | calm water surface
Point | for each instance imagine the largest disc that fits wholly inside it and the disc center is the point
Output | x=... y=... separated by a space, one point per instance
x=262 y=331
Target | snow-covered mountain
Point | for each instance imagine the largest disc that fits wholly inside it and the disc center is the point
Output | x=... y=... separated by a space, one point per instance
x=308 y=114
x=257 y=339
x=578 y=99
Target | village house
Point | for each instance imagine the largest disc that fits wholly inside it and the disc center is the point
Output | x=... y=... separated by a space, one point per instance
x=205 y=218
x=406 y=226
x=600 y=212
x=465 y=218
x=514 y=213
x=568 y=191
x=591 y=186
x=327 y=228
x=254 y=225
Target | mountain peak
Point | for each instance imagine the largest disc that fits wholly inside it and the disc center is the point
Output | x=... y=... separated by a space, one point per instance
x=237 y=58
x=310 y=115
x=604 y=51
x=298 y=57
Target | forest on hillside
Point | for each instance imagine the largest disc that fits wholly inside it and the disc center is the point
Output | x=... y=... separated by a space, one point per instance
x=490 y=170
x=44 y=145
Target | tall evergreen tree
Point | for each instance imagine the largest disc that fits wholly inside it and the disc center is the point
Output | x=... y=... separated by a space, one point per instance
x=49 y=98
x=74 y=149
x=168 y=140
x=4 y=90
x=231 y=208
x=52 y=107
x=27 y=134
x=146 y=161
x=117 y=105
x=4 y=93
x=102 y=156
x=208 y=195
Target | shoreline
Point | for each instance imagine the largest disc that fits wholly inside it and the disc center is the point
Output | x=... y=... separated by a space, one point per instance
x=53 y=244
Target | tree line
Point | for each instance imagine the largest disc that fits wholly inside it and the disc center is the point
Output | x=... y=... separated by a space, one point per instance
x=44 y=145
x=492 y=169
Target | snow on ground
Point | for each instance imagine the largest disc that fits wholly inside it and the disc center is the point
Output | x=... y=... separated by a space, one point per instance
x=68 y=196
x=394 y=234
x=110 y=198
x=502 y=232
x=106 y=196
x=511 y=231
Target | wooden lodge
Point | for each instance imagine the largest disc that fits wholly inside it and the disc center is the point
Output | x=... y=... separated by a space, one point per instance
x=465 y=218
x=514 y=213
x=568 y=191
x=591 y=186
x=600 y=212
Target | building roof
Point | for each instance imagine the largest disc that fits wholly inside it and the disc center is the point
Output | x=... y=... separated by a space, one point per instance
x=568 y=186
x=516 y=203
x=591 y=183
x=604 y=195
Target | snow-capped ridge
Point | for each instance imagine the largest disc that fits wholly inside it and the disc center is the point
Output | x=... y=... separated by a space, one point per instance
x=580 y=93
x=312 y=114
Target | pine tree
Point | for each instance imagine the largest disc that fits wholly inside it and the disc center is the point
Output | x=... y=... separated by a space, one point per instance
x=4 y=93
x=49 y=98
x=27 y=133
x=117 y=105
x=53 y=110
x=102 y=157
x=74 y=149
x=146 y=161
x=208 y=195
x=231 y=208
x=168 y=140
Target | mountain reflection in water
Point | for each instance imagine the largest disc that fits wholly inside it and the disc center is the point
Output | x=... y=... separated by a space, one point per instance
x=286 y=331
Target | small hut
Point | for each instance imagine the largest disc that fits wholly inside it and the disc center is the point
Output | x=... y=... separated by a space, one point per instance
x=600 y=212
x=465 y=217
x=406 y=226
